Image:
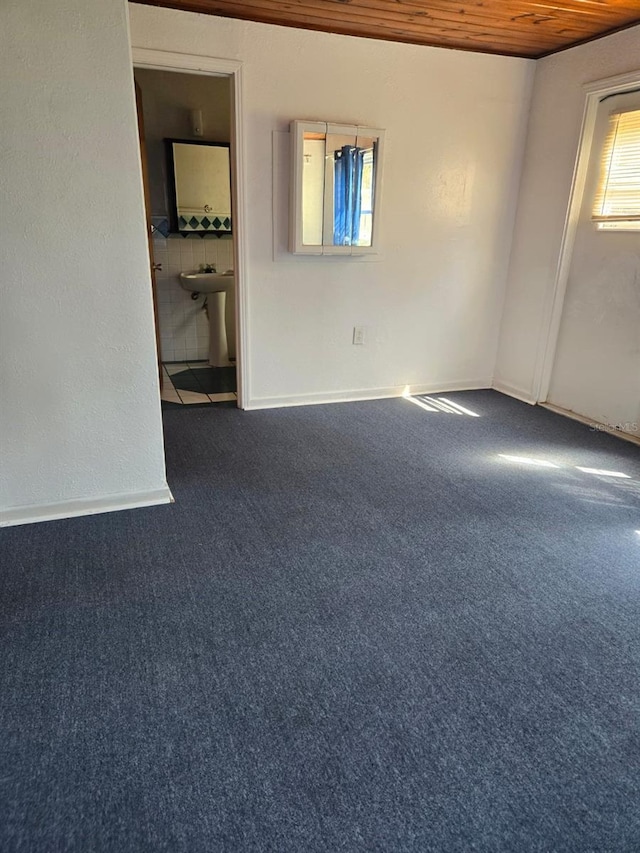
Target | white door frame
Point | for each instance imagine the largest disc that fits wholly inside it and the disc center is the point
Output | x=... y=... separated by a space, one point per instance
x=163 y=60
x=594 y=91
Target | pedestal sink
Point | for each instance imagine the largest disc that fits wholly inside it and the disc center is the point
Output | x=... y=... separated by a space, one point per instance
x=221 y=306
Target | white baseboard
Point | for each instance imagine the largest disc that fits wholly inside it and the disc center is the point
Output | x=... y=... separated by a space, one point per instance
x=512 y=391
x=86 y=506
x=356 y=395
x=591 y=422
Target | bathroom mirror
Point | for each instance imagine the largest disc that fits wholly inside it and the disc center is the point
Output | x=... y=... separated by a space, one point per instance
x=335 y=188
x=199 y=178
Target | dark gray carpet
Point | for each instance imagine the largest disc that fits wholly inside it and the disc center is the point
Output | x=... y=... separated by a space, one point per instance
x=357 y=629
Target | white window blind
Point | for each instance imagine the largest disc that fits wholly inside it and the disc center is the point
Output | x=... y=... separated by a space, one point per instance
x=618 y=194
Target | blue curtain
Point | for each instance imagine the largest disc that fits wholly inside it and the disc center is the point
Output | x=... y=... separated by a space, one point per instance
x=347 y=192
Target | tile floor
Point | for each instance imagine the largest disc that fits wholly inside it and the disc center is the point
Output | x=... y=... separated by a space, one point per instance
x=187 y=383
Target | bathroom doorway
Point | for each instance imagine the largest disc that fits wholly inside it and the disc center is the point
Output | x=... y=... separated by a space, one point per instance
x=189 y=140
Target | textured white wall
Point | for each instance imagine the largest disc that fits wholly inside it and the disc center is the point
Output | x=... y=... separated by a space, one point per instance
x=431 y=301
x=552 y=144
x=80 y=418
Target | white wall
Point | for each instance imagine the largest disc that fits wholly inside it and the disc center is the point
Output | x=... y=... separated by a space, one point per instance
x=80 y=418
x=554 y=129
x=431 y=302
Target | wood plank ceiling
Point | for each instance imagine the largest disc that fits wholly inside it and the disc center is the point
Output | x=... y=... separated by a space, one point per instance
x=528 y=28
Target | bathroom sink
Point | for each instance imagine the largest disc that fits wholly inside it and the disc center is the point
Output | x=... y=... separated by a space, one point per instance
x=207 y=282
x=220 y=304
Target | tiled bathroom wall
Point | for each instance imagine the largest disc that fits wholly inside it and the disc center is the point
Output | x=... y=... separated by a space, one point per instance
x=184 y=327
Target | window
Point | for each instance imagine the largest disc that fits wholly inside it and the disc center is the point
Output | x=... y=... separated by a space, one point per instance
x=617 y=200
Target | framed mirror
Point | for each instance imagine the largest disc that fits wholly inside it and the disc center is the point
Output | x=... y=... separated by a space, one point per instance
x=335 y=188
x=199 y=179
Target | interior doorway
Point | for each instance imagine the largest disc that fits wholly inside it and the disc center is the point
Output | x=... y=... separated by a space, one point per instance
x=596 y=370
x=587 y=333
x=191 y=122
